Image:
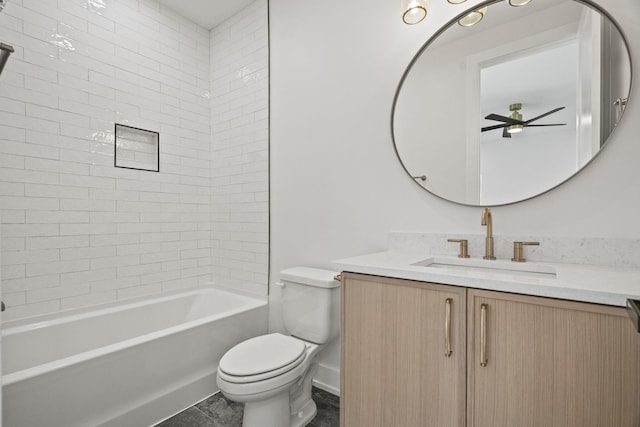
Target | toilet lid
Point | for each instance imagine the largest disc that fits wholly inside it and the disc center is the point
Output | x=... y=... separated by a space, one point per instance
x=263 y=354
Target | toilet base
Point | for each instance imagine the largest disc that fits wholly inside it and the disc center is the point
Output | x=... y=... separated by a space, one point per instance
x=271 y=412
x=304 y=415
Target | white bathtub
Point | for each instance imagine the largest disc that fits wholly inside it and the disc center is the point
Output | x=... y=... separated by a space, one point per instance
x=122 y=364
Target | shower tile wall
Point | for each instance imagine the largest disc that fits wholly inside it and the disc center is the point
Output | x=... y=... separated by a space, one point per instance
x=76 y=230
x=239 y=119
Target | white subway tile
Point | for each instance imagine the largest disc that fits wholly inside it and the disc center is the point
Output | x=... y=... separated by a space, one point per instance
x=87 y=181
x=148 y=258
x=11 y=189
x=195 y=253
x=113 y=195
x=115 y=239
x=87 y=229
x=12 y=243
x=87 y=205
x=24 y=230
x=11 y=161
x=12 y=299
x=85 y=85
x=88 y=276
x=51 y=88
x=87 y=253
x=28 y=122
x=179 y=265
x=115 y=283
x=37 y=242
x=88 y=300
x=179 y=284
x=27 y=257
x=46 y=165
x=40 y=269
x=56 y=191
x=56 y=293
x=114 y=217
x=56 y=115
x=32 y=150
x=55 y=217
x=12 y=272
x=115 y=261
x=137 y=291
x=159 y=237
x=139 y=270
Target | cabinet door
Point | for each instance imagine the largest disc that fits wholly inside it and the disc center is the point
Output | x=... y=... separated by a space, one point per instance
x=551 y=363
x=394 y=368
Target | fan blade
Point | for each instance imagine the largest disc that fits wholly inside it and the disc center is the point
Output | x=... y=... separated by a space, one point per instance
x=495 y=127
x=505 y=133
x=505 y=119
x=537 y=126
x=544 y=115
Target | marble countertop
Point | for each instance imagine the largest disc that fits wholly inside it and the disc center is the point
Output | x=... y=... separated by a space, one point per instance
x=577 y=282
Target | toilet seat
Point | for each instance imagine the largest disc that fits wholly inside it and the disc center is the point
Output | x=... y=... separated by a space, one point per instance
x=261 y=358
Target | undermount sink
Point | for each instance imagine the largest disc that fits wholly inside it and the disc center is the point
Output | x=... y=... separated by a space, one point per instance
x=489 y=266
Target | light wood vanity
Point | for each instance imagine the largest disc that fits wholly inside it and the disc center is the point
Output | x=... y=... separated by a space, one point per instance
x=414 y=353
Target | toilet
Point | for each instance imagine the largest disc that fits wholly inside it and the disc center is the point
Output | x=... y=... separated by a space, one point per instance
x=272 y=374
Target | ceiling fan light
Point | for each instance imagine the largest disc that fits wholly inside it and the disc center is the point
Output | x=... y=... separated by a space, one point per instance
x=472 y=18
x=518 y=3
x=456 y=1
x=514 y=128
x=414 y=12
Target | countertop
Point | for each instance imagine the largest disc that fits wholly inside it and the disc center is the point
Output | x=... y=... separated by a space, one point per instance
x=576 y=282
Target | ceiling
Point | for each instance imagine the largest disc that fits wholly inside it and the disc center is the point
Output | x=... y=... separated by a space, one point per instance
x=206 y=13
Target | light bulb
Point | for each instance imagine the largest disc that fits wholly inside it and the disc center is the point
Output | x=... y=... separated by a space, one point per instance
x=472 y=18
x=414 y=12
x=518 y=3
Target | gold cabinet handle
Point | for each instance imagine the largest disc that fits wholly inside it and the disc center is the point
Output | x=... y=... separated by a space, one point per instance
x=483 y=335
x=447 y=328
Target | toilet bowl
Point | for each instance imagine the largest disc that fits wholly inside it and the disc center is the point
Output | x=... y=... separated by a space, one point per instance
x=272 y=374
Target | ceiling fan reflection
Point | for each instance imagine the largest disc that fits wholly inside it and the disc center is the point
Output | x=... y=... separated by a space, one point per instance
x=514 y=123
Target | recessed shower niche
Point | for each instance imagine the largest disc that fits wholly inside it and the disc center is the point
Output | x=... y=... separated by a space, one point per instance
x=137 y=148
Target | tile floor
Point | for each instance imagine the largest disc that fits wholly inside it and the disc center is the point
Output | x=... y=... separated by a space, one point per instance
x=218 y=411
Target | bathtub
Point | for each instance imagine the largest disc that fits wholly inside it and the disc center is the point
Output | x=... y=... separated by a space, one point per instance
x=130 y=363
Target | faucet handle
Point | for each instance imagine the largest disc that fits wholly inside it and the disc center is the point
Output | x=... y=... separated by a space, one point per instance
x=464 y=247
x=518 y=250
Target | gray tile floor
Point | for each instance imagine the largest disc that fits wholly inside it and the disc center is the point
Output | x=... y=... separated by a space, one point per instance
x=218 y=411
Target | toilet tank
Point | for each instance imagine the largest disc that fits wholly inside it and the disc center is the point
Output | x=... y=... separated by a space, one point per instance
x=311 y=303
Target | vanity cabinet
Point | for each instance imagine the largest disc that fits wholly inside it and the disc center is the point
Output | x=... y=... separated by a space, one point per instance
x=394 y=341
x=516 y=360
x=550 y=363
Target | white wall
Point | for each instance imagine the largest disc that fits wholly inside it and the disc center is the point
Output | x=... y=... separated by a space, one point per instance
x=337 y=188
x=240 y=150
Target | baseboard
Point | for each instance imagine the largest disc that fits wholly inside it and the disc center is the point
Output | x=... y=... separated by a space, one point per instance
x=328 y=379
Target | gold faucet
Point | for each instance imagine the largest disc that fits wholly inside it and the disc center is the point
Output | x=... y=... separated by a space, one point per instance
x=488 y=241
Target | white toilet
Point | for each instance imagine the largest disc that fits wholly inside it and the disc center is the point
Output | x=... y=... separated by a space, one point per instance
x=271 y=374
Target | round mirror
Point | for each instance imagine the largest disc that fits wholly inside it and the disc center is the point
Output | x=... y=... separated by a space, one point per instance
x=513 y=105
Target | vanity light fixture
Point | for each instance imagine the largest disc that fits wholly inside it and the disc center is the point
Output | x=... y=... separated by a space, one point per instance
x=518 y=3
x=472 y=18
x=413 y=11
